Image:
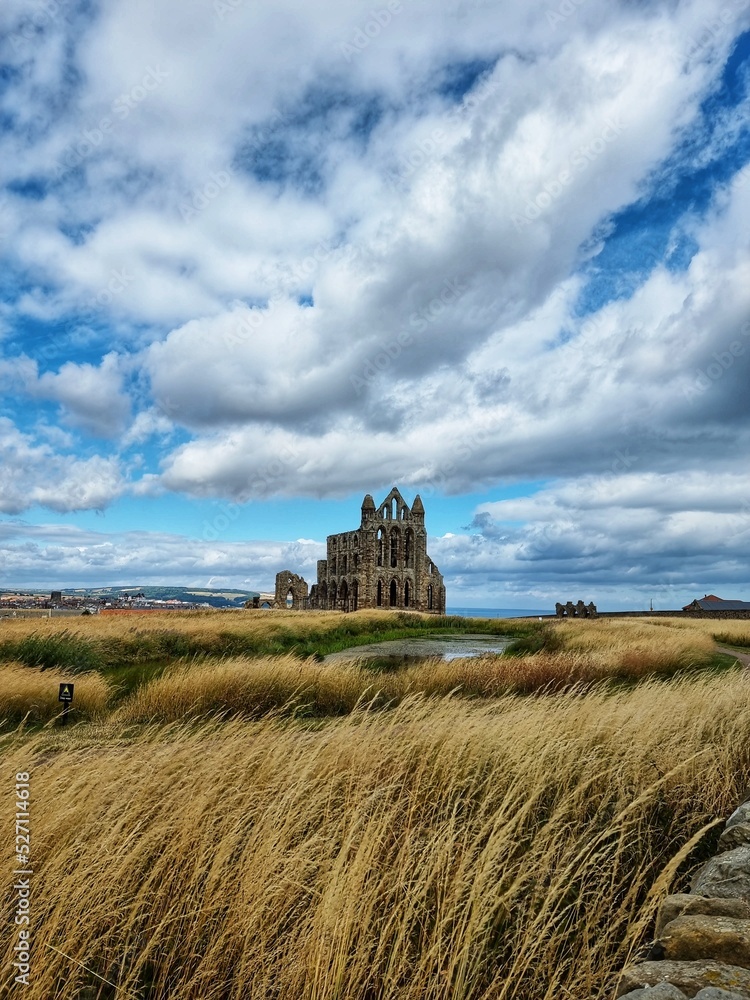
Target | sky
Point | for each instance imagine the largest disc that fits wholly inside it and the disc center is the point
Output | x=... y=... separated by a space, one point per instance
x=259 y=259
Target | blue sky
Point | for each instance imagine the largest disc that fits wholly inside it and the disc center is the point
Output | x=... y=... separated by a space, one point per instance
x=258 y=260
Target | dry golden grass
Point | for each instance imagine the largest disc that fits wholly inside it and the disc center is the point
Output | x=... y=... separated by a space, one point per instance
x=205 y=624
x=506 y=850
x=638 y=644
x=32 y=694
x=589 y=651
x=255 y=686
x=248 y=686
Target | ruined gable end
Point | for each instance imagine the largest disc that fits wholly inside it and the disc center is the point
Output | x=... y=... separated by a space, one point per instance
x=382 y=564
x=291 y=591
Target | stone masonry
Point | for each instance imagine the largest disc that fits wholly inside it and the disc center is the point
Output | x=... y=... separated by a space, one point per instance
x=291 y=591
x=702 y=946
x=382 y=564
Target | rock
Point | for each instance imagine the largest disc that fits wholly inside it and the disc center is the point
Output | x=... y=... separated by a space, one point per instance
x=740 y=815
x=711 y=993
x=735 y=836
x=690 y=977
x=664 y=991
x=726 y=876
x=683 y=904
x=724 y=939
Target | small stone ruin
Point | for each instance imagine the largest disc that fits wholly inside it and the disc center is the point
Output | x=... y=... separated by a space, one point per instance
x=579 y=610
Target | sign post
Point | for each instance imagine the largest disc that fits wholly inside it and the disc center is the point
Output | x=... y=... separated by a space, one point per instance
x=66 y=697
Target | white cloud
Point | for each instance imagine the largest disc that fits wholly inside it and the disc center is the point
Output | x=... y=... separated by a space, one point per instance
x=33 y=473
x=55 y=555
x=623 y=538
x=284 y=249
x=92 y=397
x=657 y=381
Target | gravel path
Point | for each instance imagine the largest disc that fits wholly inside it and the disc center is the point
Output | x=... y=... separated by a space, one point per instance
x=744 y=658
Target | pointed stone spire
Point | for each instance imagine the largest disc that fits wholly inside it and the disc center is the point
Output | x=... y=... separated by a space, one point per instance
x=417 y=508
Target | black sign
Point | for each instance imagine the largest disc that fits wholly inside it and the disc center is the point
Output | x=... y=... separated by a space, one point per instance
x=66 y=693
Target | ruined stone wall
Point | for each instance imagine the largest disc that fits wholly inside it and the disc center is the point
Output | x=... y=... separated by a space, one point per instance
x=702 y=945
x=716 y=614
x=674 y=614
x=289 y=584
x=340 y=582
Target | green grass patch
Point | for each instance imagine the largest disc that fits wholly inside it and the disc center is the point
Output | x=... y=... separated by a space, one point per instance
x=126 y=678
x=536 y=639
x=721 y=662
x=64 y=650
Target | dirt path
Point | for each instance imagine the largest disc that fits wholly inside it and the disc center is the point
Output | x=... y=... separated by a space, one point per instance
x=744 y=658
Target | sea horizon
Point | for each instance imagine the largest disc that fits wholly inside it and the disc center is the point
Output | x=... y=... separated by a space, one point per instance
x=498 y=612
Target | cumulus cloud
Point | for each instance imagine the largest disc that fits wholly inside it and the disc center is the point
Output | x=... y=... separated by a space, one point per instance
x=91 y=396
x=660 y=377
x=283 y=251
x=33 y=473
x=623 y=538
x=53 y=555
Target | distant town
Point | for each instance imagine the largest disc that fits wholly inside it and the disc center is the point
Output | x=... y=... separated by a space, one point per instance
x=102 y=600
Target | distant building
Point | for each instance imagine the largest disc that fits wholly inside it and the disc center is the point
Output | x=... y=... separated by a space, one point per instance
x=382 y=564
x=713 y=603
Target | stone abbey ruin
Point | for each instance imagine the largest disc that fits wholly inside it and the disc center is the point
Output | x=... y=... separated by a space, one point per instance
x=381 y=564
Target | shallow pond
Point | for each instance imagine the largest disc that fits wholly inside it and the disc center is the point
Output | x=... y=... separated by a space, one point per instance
x=448 y=647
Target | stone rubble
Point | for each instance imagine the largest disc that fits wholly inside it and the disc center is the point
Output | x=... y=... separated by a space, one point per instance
x=733 y=836
x=702 y=945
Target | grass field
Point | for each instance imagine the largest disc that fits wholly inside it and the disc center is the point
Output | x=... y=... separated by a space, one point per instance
x=270 y=826
x=104 y=642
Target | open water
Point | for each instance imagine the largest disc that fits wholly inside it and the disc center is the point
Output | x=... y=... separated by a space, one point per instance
x=499 y=612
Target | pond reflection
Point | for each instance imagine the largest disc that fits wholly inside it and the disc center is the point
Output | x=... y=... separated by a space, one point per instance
x=405 y=651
